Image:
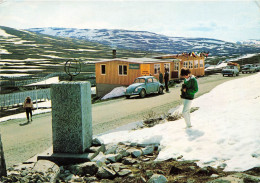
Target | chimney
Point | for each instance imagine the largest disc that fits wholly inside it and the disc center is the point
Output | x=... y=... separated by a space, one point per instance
x=114 y=53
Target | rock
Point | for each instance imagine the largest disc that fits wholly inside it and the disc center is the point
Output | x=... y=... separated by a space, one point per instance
x=48 y=168
x=82 y=169
x=111 y=149
x=146 y=159
x=124 y=172
x=148 y=150
x=2 y=160
x=129 y=161
x=100 y=159
x=117 y=166
x=123 y=152
x=97 y=141
x=114 y=157
x=97 y=149
x=105 y=173
x=136 y=153
x=156 y=178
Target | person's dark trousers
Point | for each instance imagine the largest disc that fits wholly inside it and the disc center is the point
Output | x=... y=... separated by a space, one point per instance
x=166 y=86
x=28 y=111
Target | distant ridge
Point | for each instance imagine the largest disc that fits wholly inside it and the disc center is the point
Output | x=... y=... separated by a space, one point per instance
x=148 y=41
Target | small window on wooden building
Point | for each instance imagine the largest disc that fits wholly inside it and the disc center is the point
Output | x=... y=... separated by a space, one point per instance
x=196 y=64
x=176 y=66
x=156 y=68
x=185 y=64
x=190 y=64
x=103 y=69
x=201 y=63
x=122 y=70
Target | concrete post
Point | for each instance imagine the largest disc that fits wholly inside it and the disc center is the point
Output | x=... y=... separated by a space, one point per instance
x=2 y=160
x=71 y=117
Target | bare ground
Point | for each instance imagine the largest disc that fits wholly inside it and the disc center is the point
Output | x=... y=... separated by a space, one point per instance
x=23 y=142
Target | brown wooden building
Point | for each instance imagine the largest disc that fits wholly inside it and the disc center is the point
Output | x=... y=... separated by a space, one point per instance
x=112 y=73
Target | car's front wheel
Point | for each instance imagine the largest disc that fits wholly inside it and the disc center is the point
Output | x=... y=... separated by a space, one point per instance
x=160 y=91
x=142 y=93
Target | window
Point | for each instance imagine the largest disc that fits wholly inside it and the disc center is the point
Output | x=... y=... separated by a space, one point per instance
x=190 y=64
x=103 y=69
x=176 y=66
x=201 y=63
x=155 y=80
x=122 y=70
x=156 y=68
x=185 y=64
x=196 y=64
x=150 y=80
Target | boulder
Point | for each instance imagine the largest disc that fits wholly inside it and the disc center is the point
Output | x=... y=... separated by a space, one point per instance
x=82 y=169
x=148 y=150
x=114 y=157
x=129 y=161
x=124 y=172
x=2 y=160
x=156 y=178
x=136 y=153
x=111 y=149
x=48 y=169
x=100 y=159
x=97 y=141
x=105 y=173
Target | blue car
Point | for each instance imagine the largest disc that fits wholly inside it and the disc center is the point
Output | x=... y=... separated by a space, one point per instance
x=144 y=85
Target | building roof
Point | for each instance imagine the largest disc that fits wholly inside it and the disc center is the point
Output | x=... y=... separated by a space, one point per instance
x=138 y=60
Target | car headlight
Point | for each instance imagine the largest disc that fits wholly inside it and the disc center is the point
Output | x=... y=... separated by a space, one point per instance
x=136 y=90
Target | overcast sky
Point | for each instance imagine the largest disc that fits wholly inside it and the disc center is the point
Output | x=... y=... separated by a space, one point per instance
x=226 y=20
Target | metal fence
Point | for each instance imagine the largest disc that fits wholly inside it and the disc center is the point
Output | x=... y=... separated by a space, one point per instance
x=13 y=99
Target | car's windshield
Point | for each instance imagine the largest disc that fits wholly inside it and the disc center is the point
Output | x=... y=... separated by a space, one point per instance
x=139 y=80
x=247 y=66
x=230 y=67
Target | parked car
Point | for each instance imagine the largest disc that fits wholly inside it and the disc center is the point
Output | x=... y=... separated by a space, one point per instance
x=248 y=68
x=230 y=70
x=144 y=85
x=257 y=67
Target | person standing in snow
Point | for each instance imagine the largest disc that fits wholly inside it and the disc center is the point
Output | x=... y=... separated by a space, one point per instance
x=28 y=105
x=188 y=90
x=166 y=80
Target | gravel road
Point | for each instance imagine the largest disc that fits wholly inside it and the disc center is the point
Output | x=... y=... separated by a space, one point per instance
x=23 y=142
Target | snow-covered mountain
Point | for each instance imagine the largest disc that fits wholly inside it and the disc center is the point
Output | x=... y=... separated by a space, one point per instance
x=148 y=41
x=250 y=42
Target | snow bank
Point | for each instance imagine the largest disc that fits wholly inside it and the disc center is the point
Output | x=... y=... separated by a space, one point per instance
x=225 y=129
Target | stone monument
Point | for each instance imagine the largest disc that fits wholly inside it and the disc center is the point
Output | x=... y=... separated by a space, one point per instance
x=71 y=121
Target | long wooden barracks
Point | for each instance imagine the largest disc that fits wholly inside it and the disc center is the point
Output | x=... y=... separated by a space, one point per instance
x=112 y=73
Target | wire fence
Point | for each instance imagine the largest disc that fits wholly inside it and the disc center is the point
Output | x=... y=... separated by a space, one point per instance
x=12 y=99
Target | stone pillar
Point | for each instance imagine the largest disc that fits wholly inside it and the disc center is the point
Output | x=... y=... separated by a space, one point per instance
x=71 y=117
x=2 y=160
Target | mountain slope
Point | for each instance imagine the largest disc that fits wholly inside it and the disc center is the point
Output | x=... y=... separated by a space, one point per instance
x=27 y=53
x=148 y=41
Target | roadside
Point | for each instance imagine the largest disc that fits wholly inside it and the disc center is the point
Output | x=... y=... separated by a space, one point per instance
x=22 y=142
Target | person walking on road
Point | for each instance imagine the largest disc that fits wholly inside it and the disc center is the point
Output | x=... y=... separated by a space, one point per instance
x=188 y=90
x=166 y=80
x=28 y=105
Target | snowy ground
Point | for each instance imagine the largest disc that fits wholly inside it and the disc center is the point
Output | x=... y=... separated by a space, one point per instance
x=225 y=129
